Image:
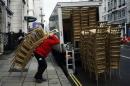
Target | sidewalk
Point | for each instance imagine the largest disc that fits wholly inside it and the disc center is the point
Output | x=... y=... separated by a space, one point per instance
x=53 y=74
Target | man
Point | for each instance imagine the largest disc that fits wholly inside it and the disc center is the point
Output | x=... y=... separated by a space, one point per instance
x=20 y=36
x=41 y=52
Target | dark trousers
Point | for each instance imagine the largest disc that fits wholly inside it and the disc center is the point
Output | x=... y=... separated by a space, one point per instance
x=60 y=60
x=42 y=65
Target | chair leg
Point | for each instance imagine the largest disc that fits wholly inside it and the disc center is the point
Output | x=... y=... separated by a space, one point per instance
x=97 y=79
x=105 y=76
x=119 y=74
x=110 y=73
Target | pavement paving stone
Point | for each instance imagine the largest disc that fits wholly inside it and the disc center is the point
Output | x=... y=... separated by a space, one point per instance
x=4 y=69
x=16 y=74
x=32 y=66
x=11 y=84
x=4 y=73
x=29 y=84
x=31 y=72
x=63 y=77
x=4 y=61
x=54 y=82
x=52 y=76
x=63 y=82
x=58 y=69
x=29 y=79
x=13 y=79
x=66 y=85
x=30 y=75
x=51 y=72
x=50 y=68
x=42 y=84
x=60 y=72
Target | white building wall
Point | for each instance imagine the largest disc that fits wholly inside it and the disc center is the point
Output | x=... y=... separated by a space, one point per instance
x=31 y=7
x=25 y=14
x=37 y=11
x=17 y=19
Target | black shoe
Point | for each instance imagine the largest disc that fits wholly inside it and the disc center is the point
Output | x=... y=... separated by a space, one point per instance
x=43 y=79
x=39 y=80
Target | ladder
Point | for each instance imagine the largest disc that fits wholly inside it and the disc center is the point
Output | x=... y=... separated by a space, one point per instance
x=70 y=56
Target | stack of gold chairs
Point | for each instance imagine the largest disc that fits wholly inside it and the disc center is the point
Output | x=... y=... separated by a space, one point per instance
x=84 y=48
x=83 y=37
x=24 y=51
x=76 y=24
x=92 y=16
x=93 y=54
x=114 y=49
x=84 y=18
x=97 y=58
x=100 y=49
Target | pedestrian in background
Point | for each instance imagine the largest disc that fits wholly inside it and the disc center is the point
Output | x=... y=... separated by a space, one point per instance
x=20 y=36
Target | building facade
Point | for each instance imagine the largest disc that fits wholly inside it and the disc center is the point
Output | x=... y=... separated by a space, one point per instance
x=5 y=22
x=117 y=12
x=9 y=15
x=37 y=10
x=2 y=24
x=19 y=8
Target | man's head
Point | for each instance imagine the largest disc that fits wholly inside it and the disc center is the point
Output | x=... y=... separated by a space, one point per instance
x=54 y=31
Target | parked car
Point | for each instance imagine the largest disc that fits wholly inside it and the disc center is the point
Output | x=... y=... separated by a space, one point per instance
x=125 y=40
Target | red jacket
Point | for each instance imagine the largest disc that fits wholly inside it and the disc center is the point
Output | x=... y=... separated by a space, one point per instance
x=46 y=46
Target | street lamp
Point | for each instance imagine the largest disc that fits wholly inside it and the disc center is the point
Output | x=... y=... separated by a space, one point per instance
x=29 y=19
x=41 y=15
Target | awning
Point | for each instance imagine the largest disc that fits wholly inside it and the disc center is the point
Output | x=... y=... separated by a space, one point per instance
x=30 y=18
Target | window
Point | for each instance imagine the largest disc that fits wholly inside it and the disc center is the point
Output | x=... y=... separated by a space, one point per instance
x=119 y=3
x=115 y=4
x=111 y=5
x=104 y=9
x=104 y=18
x=8 y=3
x=9 y=25
x=108 y=6
x=109 y=17
x=119 y=14
x=123 y=2
x=123 y=12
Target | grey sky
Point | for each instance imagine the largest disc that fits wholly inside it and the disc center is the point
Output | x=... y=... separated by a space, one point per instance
x=49 y=6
